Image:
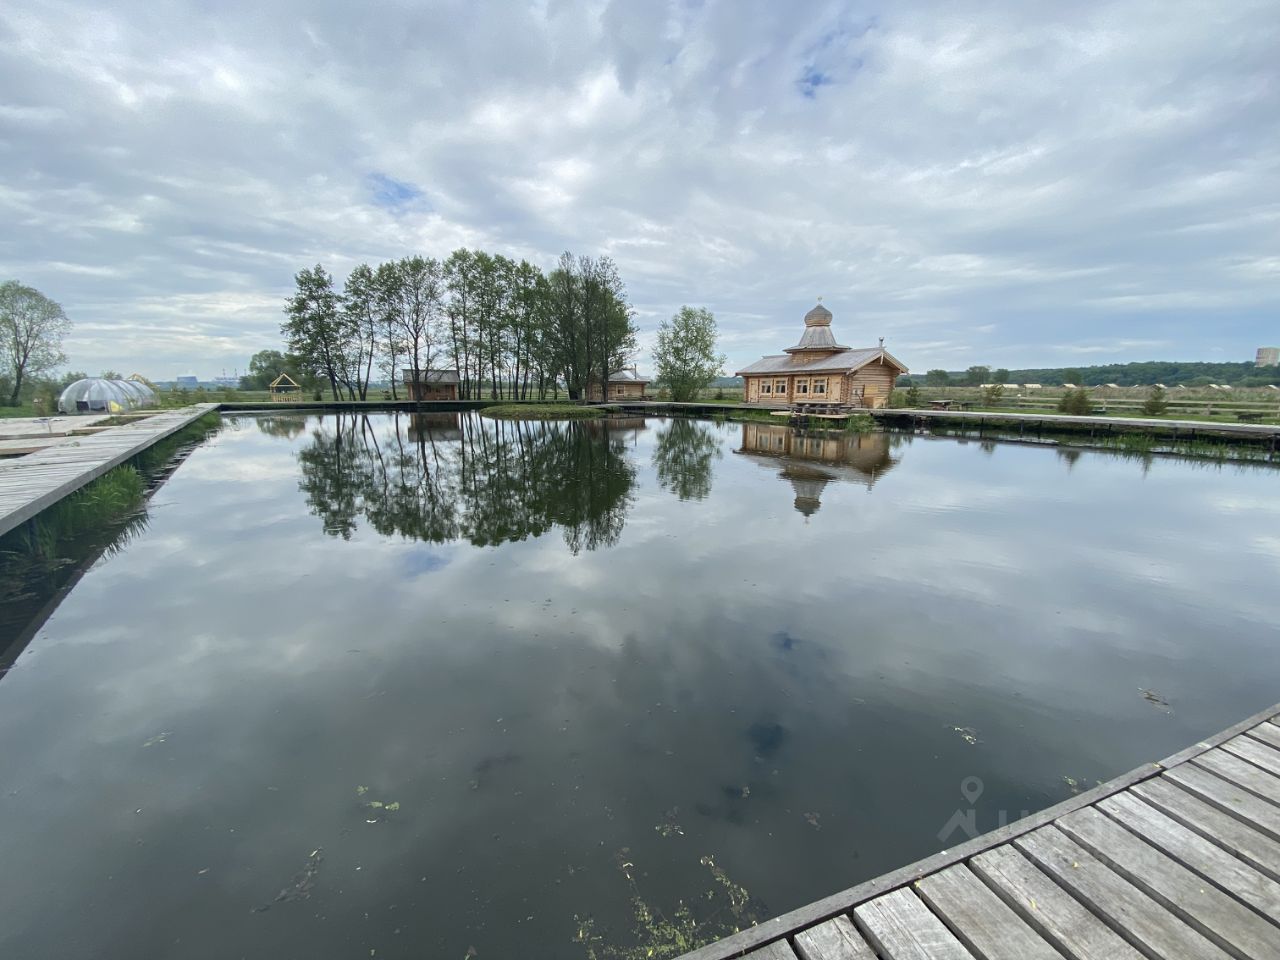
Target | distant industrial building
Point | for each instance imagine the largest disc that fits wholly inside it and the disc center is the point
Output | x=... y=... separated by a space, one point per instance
x=1269 y=356
x=187 y=382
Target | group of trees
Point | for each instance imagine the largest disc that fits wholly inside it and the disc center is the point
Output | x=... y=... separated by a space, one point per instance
x=504 y=326
x=32 y=328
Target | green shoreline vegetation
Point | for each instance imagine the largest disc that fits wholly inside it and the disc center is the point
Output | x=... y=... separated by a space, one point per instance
x=541 y=411
x=102 y=516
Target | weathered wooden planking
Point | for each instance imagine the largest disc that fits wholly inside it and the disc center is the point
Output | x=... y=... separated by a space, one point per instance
x=1129 y=911
x=1222 y=919
x=1232 y=817
x=1047 y=907
x=39 y=480
x=981 y=920
x=837 y=939
x=1228 y=832
x=1228 y=796
x=1259 y=754
x=778 y=950
x=1268 y=733
x=1230 y=767
x=1230 y=873
x=902 y=928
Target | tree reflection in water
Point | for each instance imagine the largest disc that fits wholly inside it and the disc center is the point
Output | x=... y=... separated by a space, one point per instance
x=683 y=456
x=444 y=477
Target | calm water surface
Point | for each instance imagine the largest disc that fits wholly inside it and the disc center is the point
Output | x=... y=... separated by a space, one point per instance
x=405 y=687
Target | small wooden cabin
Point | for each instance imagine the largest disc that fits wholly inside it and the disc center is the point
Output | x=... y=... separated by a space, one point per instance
x=623 y=385
x=432 y=385
x=819 y=370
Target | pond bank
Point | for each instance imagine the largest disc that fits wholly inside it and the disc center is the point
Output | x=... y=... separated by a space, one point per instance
x=37 y=481
x=1192 y=438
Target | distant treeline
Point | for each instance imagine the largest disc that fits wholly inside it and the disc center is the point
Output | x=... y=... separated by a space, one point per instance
x=1168 y=372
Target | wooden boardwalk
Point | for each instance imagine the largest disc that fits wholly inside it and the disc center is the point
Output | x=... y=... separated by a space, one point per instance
x=30 y=484
x=1178 y=860
x=1161 y=425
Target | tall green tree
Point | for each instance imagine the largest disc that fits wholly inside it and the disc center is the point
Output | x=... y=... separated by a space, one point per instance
x=685 y=354
x=360 y=307
x=590 y=323
x=460 y=281
x=388 y=303
x=264 y=366
x=420 y=314
x=937 y=378
x=32 y=328
x=975 y=376
x=316 y=329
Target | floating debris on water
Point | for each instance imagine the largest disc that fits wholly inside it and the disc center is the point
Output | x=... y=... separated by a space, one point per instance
x=812 y=820
x=669 y=827
x=301 y=885
x=375 y=810
x=967 y=734
x=657 y=935
x=158 y=738
x=1152 y=697
x=1076 y=786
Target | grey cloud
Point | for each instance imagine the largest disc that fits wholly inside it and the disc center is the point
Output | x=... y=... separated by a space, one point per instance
x=1103 y=174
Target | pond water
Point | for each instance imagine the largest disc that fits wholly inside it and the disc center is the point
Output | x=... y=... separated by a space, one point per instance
x=405 y=687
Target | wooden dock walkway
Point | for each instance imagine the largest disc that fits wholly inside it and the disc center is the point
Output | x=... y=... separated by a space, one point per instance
x=30 y=484
x=1177 y=860
x=1160 y=425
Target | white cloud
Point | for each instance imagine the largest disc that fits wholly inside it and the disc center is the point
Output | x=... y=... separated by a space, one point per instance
x=1019 y=182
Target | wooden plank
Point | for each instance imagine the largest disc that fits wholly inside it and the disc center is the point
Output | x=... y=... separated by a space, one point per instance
x=902 y=928
x=981 y=920
x=778 y=950
x=1228 y=796
x=1268 y=733
x=742 y=942
x=1259 y=754
x=1229 y=873
x=1216 y=915
x=1241 y=773
x=1262 y=716
x=1048 y=908
x=1233 y=835
x=41 y=479
x=837 y=939
x=1126 y=909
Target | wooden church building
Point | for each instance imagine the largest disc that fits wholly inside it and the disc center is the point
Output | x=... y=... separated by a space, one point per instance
x=819 y=370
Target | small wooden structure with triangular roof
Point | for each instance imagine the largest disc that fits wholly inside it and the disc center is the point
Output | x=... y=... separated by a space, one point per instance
x=284 y=388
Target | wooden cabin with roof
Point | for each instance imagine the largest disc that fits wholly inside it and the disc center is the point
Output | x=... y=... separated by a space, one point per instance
x=817 y=370
x=626 y=384
x=432 y=384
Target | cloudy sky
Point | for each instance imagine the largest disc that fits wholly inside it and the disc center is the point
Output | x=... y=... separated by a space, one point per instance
x=1007 y=183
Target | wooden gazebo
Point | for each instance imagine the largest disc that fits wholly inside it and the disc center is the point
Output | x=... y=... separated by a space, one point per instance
x=284 y=388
